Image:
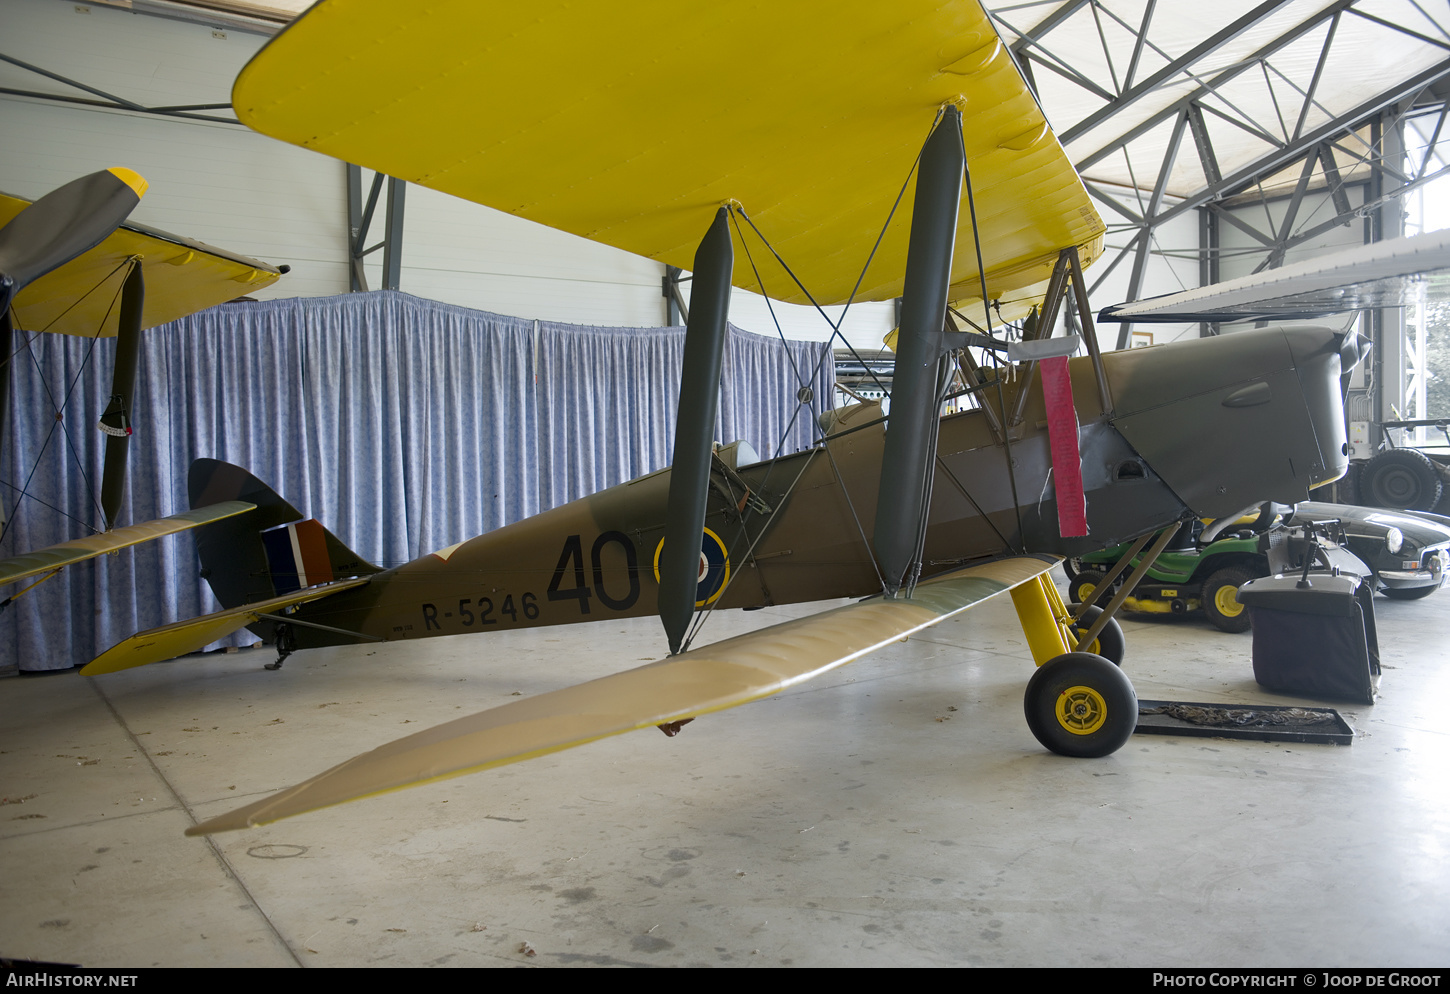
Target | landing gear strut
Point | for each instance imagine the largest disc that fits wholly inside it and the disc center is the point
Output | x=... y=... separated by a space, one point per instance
x=286 y=641
x=1078 y=703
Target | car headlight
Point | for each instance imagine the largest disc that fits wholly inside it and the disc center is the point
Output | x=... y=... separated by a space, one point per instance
x=1394 y=539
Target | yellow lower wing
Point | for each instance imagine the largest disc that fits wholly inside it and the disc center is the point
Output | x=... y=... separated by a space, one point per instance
x=56 y=556
x=170 y=641
x=719 y=676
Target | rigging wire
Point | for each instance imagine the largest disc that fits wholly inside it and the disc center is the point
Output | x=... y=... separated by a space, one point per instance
x=59 y=408
x=737 y=209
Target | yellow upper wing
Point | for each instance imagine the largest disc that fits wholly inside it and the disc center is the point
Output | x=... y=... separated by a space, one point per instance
x=630 y=122
x=182 y=277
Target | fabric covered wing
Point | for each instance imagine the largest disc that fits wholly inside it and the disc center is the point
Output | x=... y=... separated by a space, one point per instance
x=630 y=123
x=712 y=678
x=182 y=277
x=1383 y=274
x=170 y=641
x=56 y=556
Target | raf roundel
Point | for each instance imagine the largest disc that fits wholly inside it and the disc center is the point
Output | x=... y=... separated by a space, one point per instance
x=714 y=568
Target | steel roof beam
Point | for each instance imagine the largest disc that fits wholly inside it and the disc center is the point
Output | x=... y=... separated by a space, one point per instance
x=1178 y=65
x=1029 y=39
x=1402 y=29
x=1290 y=152
x=1208 y=88
x=1138 y=45
x=1204 y=144
x=1318 y=72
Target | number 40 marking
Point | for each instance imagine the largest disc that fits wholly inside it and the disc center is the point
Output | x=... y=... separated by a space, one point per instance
x=572 y=555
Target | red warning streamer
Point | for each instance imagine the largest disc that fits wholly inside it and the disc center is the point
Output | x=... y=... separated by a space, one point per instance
x=1066 y=459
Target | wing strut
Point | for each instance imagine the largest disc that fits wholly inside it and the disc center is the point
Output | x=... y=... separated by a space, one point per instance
x=695 y=428
x=906 y=462
x=61 y=225
x=116 y=421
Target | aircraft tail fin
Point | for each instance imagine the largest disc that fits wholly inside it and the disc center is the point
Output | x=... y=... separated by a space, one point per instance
x=271 y=553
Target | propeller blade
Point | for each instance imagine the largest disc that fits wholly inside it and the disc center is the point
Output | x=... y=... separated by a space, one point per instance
x=63 y=224
x=116 y=421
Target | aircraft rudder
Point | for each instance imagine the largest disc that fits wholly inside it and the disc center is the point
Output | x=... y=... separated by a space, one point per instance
x=271 y=551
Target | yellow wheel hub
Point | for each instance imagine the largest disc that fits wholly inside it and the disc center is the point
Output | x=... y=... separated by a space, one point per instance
x=1095 y=646
x=1226 y=599
x=1081 y=710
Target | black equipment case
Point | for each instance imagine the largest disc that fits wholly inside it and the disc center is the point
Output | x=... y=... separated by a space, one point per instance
x=1314 y=637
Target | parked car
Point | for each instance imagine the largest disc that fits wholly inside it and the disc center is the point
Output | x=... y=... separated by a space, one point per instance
x=1409 y=551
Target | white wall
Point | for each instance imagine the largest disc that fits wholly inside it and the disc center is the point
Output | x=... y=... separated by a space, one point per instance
x=218 y=183
x=238 y=190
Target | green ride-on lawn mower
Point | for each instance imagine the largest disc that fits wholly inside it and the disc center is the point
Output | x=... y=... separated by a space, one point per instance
x=1203 y=566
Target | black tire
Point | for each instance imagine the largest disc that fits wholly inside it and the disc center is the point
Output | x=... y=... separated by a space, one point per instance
x=1409 y=593
x=1111 y=643
x=1348 y=489
x=1220 y=599
x=1081 y=705
x=1071 y=568
x=1083 y=584
x=1443 y=507
x=1403 y=479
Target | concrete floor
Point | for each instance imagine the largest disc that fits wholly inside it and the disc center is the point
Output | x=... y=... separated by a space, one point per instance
x=894 y=812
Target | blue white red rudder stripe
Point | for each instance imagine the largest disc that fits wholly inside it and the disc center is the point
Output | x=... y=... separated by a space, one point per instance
x=297 y=555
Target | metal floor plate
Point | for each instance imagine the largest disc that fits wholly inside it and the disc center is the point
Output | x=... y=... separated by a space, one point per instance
x=1269 y=722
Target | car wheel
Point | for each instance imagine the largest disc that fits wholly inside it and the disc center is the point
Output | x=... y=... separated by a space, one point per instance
x=1111 y=643
x=1081 y=705
x=1409 y=593
x=1403 y=479
x=1221 y=600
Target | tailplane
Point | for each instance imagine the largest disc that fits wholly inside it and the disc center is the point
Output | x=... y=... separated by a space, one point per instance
x=269 y=552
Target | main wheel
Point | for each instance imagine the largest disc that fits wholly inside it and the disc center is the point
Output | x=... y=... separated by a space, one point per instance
x=1111 y=644
x=1221 y=599
x=1401 y=478
x=1081 y=705
x=1083 y=584
x=1409 y=593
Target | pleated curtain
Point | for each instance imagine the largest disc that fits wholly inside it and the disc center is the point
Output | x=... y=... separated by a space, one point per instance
x=403 y=425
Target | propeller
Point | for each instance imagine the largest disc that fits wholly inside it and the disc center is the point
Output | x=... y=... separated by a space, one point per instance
x=1354 y=348
x=64 y=223
x=61 y=225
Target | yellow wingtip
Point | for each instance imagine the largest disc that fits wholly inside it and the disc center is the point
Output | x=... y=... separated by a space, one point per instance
x=131 y=178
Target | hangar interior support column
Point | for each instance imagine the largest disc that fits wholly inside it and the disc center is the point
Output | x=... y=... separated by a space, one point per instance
x=359 y=221
x=1386 y=219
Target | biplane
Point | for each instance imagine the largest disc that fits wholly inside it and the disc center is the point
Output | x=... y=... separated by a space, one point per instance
x=71 y=264
x=788 y=136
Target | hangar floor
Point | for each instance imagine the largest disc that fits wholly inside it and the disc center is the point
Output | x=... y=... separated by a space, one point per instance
x=894 y=812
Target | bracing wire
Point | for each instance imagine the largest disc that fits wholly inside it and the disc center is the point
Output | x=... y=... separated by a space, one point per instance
x=24 y=490
x=737 y=210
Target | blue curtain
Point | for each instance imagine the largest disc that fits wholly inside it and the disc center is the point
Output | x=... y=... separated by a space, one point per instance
x=403 y=425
